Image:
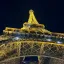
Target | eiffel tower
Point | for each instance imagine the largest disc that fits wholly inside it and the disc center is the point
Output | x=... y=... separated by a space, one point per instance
x=31 y=44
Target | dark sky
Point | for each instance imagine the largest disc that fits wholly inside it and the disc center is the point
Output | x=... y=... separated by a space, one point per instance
x=14 y=13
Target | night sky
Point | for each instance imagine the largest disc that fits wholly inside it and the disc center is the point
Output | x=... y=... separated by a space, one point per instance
x=14 y=13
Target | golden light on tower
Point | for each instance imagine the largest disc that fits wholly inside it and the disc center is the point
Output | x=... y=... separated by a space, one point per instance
x=31 y=40
x=32 y=19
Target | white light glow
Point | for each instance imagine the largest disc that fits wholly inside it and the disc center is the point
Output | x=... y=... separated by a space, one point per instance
x=16 y=38
x=59 y=42
x=48 y=39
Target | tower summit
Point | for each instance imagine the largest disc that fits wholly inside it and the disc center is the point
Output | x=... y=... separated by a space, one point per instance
x=32 y=25
x=32 y=19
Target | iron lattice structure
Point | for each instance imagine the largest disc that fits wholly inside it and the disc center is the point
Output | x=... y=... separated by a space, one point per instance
x=31 y=40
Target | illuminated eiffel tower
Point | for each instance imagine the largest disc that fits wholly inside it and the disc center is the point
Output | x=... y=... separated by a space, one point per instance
x=22 y=45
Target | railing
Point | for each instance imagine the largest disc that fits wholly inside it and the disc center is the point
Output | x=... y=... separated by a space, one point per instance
x=41 y=60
